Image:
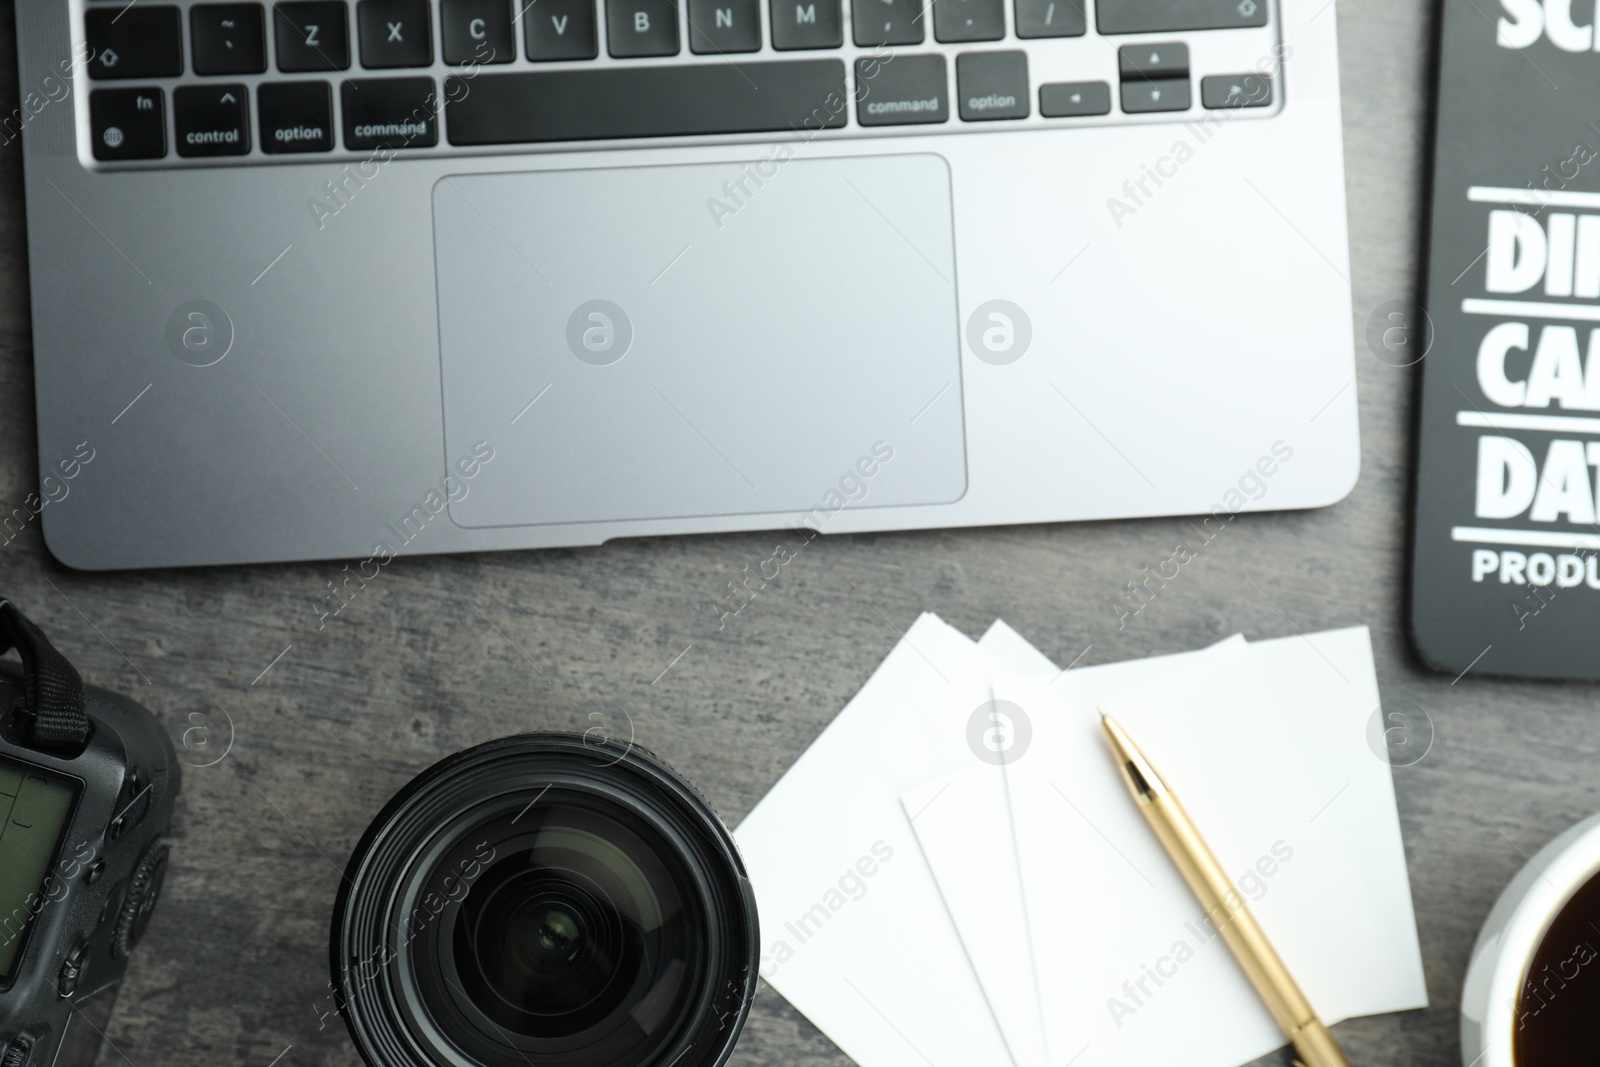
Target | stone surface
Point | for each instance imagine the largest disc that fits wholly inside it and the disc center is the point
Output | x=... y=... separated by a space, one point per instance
x=440 y=653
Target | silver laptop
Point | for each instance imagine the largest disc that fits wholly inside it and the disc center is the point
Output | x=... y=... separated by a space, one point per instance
x=345 y=278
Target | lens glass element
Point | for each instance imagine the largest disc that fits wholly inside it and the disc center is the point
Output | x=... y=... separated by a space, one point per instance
x=581 y=940
x=544 y=899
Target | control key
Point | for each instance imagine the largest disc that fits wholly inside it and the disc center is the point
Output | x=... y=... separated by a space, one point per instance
x=212 y=120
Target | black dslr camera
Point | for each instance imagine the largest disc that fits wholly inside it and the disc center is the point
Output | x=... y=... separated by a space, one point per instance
x=87 y=783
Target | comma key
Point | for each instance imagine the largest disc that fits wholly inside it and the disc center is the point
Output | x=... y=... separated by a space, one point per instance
x=882 y=22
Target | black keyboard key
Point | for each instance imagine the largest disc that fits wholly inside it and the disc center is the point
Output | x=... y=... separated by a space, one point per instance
x=879 y=22
x=128 y=124
x=720 y=27
x=992 y=85
x=902 y=90
x=1235 y=90
x=1158 y=60
x=1162 y=94
x=312 y=35
x=807 y=24
x=1074 y=100
x=636 y=28
x=392 y=113
x=228 y=38
x=134 y=42
x=296 y=117
x=969 y=20
x=394 y=33
x=476 y=31
x=211 y=120
x=646 y=101
x=1050 y=18
x=561 y=29
x=1168 y=16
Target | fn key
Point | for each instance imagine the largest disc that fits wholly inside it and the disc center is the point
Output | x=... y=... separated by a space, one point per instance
x=128 y=124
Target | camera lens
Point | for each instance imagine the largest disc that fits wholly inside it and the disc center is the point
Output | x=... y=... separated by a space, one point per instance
x=549 y=899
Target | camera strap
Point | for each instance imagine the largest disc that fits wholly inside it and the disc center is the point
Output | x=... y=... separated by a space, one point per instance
x=54 y=691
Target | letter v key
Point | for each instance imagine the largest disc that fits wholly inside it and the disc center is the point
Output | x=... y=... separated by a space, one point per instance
x=560 y=23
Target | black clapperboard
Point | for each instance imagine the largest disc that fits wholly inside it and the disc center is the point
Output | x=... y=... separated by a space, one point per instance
x=1505 y=541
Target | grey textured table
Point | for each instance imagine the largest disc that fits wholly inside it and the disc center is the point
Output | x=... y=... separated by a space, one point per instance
x=443 y=652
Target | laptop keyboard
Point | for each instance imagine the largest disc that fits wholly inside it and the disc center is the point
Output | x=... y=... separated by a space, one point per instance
x=219 y=81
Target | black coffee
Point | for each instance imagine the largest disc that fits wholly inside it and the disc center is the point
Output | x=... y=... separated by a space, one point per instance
x=1558 y=1011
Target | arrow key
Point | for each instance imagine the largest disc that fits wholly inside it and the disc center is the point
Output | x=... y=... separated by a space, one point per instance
x=1236 y=90
x=1072 y=100
x=1159 y=60
x=212 y=120
x=1160 y=94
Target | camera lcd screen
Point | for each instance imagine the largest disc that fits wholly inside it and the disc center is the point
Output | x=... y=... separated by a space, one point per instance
x=34 y=808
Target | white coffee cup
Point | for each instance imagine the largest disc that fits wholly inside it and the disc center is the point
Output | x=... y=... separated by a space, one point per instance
x=1510 y=936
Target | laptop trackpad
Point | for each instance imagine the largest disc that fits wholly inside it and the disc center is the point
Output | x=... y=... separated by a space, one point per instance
x=721 y=339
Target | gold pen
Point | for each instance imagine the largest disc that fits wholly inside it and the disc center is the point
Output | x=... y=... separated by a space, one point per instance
x=1223 y=904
